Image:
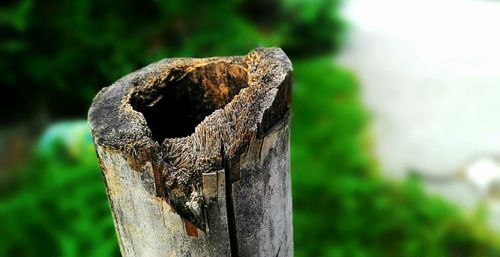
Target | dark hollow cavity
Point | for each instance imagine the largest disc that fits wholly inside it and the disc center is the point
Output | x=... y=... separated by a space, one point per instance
x=174 y=107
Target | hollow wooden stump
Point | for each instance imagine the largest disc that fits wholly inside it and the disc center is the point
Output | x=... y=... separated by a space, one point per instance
x=195 y=156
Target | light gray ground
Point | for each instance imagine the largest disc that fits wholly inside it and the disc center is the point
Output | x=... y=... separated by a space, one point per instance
x=430 y=72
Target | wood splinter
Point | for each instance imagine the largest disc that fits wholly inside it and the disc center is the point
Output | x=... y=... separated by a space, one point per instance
x=195 y=156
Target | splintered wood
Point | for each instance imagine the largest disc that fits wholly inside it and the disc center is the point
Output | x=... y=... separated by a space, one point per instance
x=195 y=156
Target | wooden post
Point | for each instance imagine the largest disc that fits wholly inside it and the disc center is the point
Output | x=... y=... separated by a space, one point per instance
x=195 y=156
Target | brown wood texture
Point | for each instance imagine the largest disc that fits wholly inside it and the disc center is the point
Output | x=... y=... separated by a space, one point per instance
x=195 y=156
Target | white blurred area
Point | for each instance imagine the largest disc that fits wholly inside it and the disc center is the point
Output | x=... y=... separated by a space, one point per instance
x=430 y=74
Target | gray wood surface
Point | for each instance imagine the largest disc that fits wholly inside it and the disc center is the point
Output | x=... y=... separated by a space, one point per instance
x=195 y=156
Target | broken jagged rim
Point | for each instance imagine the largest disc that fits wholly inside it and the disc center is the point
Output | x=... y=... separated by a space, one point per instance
x=244 y=96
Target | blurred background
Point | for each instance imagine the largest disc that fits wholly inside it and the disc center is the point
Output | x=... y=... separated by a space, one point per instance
x=395 y=133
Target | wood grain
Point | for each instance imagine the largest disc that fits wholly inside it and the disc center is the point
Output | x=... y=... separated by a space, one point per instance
x=195 y=156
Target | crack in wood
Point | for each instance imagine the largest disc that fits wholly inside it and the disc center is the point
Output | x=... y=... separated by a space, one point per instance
x=158 y=179
x=231 y=218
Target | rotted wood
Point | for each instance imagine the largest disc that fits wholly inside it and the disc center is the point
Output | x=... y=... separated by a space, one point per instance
x=195 y=156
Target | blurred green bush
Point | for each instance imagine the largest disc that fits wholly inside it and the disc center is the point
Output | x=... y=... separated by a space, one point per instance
x=59 y=205
x=56 y=55
x=342 y=207
x=62 y=52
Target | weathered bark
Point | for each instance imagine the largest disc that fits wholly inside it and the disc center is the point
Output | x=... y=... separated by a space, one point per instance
x=195 y=156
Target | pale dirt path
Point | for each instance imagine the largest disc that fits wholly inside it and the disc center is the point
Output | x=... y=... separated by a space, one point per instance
x=430 y=72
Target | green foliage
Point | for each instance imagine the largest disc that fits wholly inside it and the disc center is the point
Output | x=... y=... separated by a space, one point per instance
x=59 y=207
x=341 y=206
x=57 y=54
